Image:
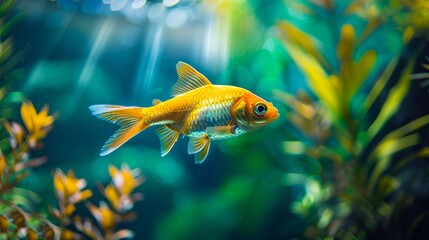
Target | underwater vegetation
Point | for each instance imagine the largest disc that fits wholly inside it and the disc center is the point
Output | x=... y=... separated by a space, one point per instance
x=18 y=222
x=366 y=171
x=346 y=159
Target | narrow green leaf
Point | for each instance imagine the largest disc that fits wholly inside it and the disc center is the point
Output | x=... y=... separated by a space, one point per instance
x=5 y=6
x=362 y=70
x=323 y=86
x=383 y=156
x=423 y=153
x=394 y=98
x=302 y=40
x=9 y=24
x=11 y=63
x=409 y=127
x=380 y=84
x=27 y=193
x=6 y=50
x=418 y=76
x=384 y=146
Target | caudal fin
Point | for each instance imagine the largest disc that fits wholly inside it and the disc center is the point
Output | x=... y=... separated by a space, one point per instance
x=129 y=119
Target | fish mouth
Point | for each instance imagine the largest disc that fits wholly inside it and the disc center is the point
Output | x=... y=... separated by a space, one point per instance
x=274 y=115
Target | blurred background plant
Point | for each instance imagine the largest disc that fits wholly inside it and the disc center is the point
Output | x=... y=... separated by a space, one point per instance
x=17 y=216
x=68 y=192
x=366 y=164
x=16 y=160
x=9 y=61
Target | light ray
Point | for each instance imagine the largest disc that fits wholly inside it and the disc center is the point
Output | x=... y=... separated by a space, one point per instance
x=148 y=61
x=86 y=73
x=216 y=41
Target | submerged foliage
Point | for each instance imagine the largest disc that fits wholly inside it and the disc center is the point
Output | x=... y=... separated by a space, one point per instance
x=9 y=59
x=69 y=192
x=16 y=217
x=362 y=183
x=15 y=164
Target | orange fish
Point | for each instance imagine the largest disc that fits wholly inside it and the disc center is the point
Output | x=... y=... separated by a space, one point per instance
x=200 y=110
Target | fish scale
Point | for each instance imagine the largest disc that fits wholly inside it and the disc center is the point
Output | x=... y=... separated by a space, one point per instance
x=207 y=106
x=210 y=116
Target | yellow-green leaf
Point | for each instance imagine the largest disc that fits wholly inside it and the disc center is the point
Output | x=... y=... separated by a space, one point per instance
x=409 y=127
x=318 y=80
x=389 y=146
x=362 y=70
x=394 y=98
x=383 y=155
x=347 y=41
x=6 y=49
x=293 y=35
x=423 y=153
x=380 y=84
x=408 y=34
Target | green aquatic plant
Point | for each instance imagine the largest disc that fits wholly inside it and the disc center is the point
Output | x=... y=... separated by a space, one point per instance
x=17 y=217
x=9 y=59
x=361 y=185
x=15 y=163
x=18 y=144
x=411 y=15
x=69 y=191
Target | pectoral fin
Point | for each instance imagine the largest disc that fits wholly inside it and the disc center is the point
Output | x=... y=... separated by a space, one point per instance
x=167 y=137
x=220 y=131
x=199 y=146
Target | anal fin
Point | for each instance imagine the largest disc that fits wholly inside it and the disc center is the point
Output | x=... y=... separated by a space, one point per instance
x=196 y=144
x=167 y=138
x=202 y=155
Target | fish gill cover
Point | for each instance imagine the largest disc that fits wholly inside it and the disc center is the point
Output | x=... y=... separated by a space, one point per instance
x=346 y=159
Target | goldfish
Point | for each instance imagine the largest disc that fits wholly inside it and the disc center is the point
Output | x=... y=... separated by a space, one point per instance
x=200 y=110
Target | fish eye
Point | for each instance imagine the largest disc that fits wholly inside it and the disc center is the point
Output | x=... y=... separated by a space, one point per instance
x=260 y=109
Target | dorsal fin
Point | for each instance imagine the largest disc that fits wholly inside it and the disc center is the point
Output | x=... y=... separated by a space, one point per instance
x=189 y=79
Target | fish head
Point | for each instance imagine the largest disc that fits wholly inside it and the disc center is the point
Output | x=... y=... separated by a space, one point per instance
x=252 y=112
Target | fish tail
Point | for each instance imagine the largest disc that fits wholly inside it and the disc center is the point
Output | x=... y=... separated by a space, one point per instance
x=130 y=121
